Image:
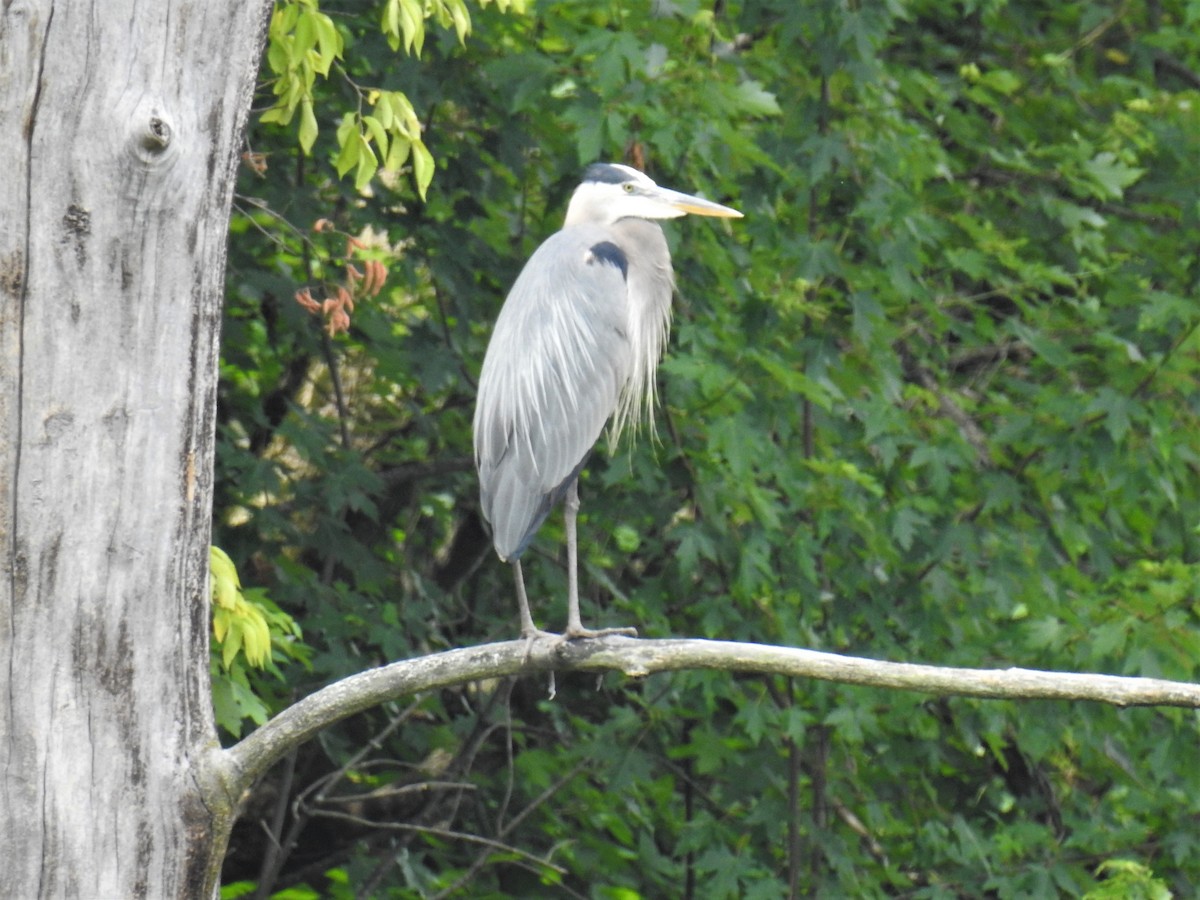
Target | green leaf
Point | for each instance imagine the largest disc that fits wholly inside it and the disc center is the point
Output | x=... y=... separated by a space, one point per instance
x=277 y=115
x=755 y=100
x=1116 y=409
x=348 y=157
x=1111 y=175
x=1043 y=345
x=305 y=31
x=380 y=102
x=390 y=23
x=412 y=24
x=377 y=133
x=460 y=18
x=224 y=577
x=231 y=644
x=422 y=167
x=1001 y=81
x=329 y=43
x=367 y=164
x=627 y=538
x=397 y=155
x=308 y=126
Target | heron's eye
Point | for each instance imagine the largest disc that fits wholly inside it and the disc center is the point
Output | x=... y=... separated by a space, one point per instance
x=627 y=187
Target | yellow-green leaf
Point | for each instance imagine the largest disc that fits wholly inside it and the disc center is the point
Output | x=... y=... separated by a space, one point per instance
x=329 y=42
x=223 y=573
x=422 y=166
x=461 y=19
x=412 y=22
x=383 y=108
x=306 y=31
x=231 y=645
x=391 y=23
x=347 y=159
x=275 y=114
x=404 y=117
x=397 y=154
x=347 y=127
x=278 y=56
x=308 y=126
x=377 y=132
x=367 y=164
x=256 y=637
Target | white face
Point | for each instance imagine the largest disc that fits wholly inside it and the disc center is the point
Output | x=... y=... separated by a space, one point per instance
x=604 y=202
x=640 y=177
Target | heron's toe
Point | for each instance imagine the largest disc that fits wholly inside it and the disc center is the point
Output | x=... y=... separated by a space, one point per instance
x=579 y=633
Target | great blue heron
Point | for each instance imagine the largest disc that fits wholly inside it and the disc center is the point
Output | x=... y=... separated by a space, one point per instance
x=577 y=342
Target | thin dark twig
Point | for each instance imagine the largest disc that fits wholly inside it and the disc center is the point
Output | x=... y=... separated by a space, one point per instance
x=535 y=861
x=308 y=249
x=1177 y=68
x=268 y=872
x=322 y=786
x=419 y=787
x=262 y=205
x=819 y=737
x=689 y=811
x=480 y=861
x=509 y=761
x=549 y=792
x=335 y=379
x=1153 y=373
x=795 y=841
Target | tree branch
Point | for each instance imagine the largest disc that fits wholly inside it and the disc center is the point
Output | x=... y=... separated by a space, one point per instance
x=243 y=764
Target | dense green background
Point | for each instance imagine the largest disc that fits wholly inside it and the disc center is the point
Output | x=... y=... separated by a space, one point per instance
x=935 y=399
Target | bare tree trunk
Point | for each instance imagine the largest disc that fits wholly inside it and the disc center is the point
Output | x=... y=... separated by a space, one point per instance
x=119 y=131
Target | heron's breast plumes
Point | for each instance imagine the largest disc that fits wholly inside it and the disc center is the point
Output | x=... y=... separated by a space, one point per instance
x=575 y=346
x=650 y=282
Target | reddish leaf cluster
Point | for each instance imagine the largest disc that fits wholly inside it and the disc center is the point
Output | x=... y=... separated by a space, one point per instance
x=339 y=300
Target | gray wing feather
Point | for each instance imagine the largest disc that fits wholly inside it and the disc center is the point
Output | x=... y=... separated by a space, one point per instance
x=555 y=367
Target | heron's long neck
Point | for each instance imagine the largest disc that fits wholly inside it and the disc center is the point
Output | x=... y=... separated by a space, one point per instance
x=650 y=285
x=582 y=211
x=591 y=204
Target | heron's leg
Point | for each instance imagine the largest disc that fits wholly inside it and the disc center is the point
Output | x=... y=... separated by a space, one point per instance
x=575 y=627
x=528 y=629
x=570 y=513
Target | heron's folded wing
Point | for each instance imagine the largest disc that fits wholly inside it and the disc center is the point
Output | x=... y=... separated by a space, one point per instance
x=554 y=368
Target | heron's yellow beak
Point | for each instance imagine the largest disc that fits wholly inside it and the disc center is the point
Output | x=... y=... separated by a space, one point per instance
x=698 y=206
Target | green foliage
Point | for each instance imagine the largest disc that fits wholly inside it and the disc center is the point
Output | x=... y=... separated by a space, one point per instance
x=239 y=623
x=1125 y=880
x=934 y=399
x=304 y=42
x=249 y=632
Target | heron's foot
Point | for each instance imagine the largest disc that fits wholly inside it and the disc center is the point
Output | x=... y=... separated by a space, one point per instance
x=532 y=636
x=578 y=632
x=536 y=634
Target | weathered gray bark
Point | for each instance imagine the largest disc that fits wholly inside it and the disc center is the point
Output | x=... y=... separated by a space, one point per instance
x=119 y=125
x=244 y=763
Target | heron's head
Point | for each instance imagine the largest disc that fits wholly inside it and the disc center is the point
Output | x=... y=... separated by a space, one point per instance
x=610 y=192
